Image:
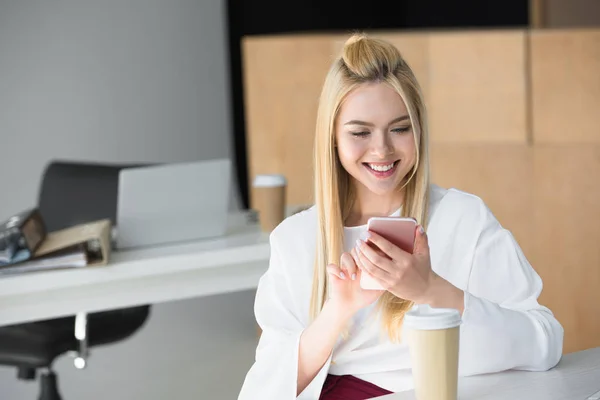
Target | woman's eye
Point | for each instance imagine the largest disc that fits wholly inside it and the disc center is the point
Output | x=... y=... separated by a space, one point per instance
x=359 y=134
x=401 y=130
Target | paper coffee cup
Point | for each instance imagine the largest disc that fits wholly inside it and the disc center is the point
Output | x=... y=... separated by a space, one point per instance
x=433 y=338
x=269 y=199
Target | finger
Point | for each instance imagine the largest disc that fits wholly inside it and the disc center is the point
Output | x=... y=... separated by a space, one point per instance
x=359 y=267
x=336 y=271
x=356 y=260
x=374 y=257
x=389 y=248
x=374 y=270
x=421 y=241
x=349 y=265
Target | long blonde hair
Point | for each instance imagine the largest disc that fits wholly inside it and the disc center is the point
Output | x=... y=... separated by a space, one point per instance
x=363 y=60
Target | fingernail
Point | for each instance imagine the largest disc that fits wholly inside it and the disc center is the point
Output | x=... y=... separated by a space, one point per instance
x=365 y=235
x=421 y=230
x=342 y=275
x=358 y=243
x=353 y=276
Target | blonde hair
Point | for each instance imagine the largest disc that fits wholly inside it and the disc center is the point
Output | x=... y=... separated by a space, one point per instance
x=363 y=60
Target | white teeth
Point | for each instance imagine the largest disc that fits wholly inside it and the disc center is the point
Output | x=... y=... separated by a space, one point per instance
x=381 y=168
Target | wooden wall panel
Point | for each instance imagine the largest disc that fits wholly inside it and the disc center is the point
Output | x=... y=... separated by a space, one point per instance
x=567 y=238
x=264 y=111
x=537 y=13
x=565 y=71
x=501 y=174
x=477 y=87
x=283 y=78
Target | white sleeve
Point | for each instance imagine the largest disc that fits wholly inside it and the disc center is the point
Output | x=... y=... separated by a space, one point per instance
x=274 y=374
x=504 y=326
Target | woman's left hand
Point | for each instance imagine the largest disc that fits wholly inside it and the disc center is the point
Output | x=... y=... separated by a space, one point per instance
x=405 y=275
x=408 y=276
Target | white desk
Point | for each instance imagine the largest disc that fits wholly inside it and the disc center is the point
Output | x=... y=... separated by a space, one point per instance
x=576 y=377
x=141 y=276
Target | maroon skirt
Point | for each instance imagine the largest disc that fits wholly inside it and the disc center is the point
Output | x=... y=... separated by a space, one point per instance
x=348 y=387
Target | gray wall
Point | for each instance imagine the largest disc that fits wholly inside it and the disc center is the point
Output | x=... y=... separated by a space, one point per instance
x=124 y=81
x=109 y=80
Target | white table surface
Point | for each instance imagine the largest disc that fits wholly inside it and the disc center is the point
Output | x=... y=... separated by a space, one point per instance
x=576 y=377
x=141 y=276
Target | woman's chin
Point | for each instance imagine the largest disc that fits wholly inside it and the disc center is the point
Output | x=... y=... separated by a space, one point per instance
x=378 y=187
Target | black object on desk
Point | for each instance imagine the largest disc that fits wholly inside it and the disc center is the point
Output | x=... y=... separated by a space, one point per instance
x=71 y=193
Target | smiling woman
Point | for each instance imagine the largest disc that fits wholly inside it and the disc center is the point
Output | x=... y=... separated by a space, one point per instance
x=326 y=337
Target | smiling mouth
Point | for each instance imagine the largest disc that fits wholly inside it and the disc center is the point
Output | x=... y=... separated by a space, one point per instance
x=379 y=167
x=382 y=170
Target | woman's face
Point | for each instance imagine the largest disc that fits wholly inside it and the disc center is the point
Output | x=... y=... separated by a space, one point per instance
x=374 y=139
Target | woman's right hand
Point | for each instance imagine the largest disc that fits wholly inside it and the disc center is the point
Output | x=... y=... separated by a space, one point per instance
x=345 y=285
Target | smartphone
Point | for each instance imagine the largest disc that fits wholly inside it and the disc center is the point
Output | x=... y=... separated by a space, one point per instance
x=398 y=230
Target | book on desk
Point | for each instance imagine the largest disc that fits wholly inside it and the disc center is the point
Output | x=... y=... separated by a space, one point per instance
x=83 y=245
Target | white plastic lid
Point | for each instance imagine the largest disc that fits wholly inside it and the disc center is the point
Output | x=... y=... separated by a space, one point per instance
x=269 y=180
x=423 y=317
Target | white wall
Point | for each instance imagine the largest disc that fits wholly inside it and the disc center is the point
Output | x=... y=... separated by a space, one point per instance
x=124 y=81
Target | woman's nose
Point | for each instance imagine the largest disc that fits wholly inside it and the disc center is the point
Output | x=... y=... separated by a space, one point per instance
x=382 y=146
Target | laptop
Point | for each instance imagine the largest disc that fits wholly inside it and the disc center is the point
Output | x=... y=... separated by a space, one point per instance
x=170 y=203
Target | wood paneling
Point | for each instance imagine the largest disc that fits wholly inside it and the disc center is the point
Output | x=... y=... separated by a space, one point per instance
x=283 y=78
x=501 y=174
x=468 y=80
x=537 y=13
x=477 y=87
x=567 y=238
x=565 y=71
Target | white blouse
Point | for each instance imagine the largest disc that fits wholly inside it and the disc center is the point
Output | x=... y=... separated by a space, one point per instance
x=503 y=326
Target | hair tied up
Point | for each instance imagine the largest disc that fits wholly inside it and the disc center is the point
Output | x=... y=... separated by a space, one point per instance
x=369 y=58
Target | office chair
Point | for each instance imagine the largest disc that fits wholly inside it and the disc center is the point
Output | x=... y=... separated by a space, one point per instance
x=70 y=193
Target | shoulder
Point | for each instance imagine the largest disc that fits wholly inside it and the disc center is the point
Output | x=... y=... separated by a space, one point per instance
x=459 y=224
x=459 y=208
x=296 y=231
x=301 y=223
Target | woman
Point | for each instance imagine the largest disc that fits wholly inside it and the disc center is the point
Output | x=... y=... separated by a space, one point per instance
x=325 y=337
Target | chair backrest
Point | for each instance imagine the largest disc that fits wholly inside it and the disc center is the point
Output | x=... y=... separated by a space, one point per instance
x=72 y=193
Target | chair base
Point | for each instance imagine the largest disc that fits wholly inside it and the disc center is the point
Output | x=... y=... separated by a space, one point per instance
x=49 y=387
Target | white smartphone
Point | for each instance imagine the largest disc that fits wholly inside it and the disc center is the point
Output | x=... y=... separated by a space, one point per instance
x=398 y=230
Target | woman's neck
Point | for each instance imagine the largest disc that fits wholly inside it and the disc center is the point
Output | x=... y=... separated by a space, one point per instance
x=370 y=205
